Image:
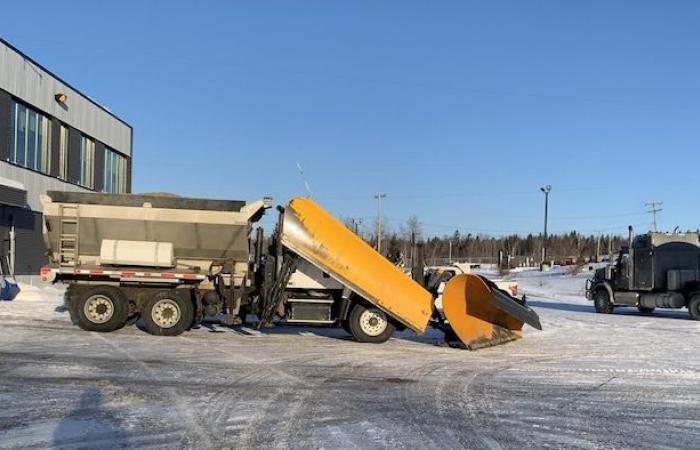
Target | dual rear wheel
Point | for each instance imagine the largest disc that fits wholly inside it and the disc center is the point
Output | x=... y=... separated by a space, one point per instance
x=101 y=308
x=167 y=312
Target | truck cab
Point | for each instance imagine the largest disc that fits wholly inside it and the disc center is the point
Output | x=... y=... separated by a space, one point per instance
x=656 y=270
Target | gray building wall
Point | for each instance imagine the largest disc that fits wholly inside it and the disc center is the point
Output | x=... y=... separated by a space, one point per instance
x=24 y=80
x=31 y=83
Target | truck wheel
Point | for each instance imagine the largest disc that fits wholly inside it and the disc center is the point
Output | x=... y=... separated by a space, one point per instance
x=694 y=307
x=369 y=324
x=645 y=310
x=168 y=313
x=601 y=300
x=101 y=308
x=346 y=326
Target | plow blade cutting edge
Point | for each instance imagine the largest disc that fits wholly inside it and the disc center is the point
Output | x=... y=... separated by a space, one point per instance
x=481 y=315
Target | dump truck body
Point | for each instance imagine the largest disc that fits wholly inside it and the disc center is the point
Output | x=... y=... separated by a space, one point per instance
x=105 y=230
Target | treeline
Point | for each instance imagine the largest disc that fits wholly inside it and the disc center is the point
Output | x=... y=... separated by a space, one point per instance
x=519 y=250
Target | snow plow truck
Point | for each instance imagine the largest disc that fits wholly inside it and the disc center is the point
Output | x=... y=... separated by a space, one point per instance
x=175 y=261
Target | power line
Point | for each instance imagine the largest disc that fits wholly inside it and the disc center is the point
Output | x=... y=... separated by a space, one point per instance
x=654 y=207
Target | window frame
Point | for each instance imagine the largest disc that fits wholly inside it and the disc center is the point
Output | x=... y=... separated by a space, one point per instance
x=32 y=129
x=87 y=162
x=114 y=172
x=63 y=151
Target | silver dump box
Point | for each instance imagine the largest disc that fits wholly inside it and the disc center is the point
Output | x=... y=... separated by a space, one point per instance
x=148 y=231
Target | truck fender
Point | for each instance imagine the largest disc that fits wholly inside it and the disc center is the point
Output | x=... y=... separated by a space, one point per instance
x=605 y=285
x=689 y=296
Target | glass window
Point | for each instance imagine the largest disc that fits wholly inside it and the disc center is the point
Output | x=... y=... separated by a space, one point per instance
x=87 y=162
x=63 y=153
x=115 y=172
x=30 y=142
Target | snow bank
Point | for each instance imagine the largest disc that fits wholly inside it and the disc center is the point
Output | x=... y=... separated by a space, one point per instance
x=39 y=302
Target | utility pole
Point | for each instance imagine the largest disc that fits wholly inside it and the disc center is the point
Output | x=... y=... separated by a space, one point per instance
x=597 y=251
x=546 y=190
x=450 y=251
x=654 y=207
x=356 y=225
x=379 y=198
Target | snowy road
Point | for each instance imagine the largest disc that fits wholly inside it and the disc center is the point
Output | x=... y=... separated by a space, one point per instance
x=587 y=381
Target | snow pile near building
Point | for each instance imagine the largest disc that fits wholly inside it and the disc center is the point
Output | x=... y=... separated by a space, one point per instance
x=37 y=302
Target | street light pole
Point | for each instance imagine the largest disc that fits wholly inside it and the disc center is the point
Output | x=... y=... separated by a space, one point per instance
x=379 y=198
x=546 y=190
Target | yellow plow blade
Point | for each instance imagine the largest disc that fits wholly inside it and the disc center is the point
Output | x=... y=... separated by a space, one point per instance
x=319 y=238
x=481 y=315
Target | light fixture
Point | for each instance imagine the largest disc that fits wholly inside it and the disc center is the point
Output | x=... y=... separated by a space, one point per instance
x=61 y=98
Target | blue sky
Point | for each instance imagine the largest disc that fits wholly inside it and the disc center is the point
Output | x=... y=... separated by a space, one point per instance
x=458 y=111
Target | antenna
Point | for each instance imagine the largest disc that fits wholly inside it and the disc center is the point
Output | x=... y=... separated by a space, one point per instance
x=303 y=178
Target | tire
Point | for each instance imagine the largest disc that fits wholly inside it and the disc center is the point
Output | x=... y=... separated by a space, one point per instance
x=168 y=313
x=694 y=307
x=101 y=308
x=601 y=300
x=369 y=324
x=645 y=310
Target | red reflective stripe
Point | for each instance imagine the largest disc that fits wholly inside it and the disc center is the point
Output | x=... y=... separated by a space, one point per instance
x=167 y=275
x=128 y=274
x=189 y=276
x=96 y=272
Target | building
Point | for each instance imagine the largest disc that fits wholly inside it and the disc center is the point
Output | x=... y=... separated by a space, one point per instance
x=52 y=137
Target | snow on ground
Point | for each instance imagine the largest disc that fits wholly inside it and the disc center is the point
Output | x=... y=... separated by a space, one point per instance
x=591 y=381
x=37 y=302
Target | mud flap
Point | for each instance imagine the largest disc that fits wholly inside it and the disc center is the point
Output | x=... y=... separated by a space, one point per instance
x=481 y=315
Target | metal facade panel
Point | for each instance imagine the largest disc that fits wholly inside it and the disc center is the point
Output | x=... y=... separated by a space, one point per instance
x=73 y=156
x=12 y=196
x=29 y=241
x=5 y=102
x=35 y=183
x=32 y=84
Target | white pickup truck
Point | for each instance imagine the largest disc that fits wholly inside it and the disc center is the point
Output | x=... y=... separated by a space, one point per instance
x=442 y=274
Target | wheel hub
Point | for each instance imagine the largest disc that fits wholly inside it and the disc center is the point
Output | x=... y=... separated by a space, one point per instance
x=373 y=322
x=98 y=309
x=166 y=313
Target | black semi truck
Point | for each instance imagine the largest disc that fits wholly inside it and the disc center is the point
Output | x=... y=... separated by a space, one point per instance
x=655 y=270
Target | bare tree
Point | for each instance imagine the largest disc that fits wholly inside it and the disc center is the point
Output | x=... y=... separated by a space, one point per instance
x=412 y=228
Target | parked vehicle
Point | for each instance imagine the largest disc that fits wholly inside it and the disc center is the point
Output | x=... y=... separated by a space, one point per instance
x=436 y=277
x=174 y=261
x=656 y=270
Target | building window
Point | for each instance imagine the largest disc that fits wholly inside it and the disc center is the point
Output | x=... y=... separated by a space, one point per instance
x=115 y=172
x=63 y=153
x=30 y=138
x=87 y=162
